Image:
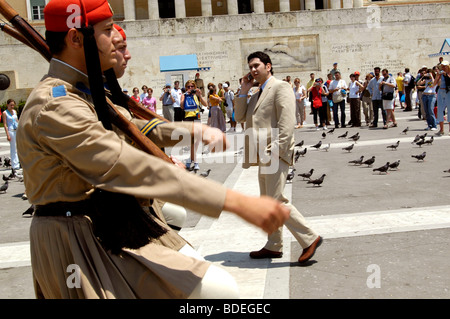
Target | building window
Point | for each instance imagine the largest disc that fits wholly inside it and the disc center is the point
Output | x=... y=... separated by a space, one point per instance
x=166 y=9
x=244 y=6
x=37 y=9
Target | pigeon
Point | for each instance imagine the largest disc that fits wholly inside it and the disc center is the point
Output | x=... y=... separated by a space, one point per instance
x=358 y=161
x=343 y=135
x=300 y=144
x=324 y=135
x=420 y=143
x=290 y=175
x=317 y=181
x=297 y=155
x=394 y=146
x=326 y=148
x=430 y=141
x=382 y=169
x=331 y=131
x=420 y=157
x=5 y=178
x=13 y=174
x=354 y=136
x=405 y=130
x=4 y=187
x=349 y=148
x=370 y=161
x=416 y=139
x=29 y=211
x=7 y=162
x=423 y=136
x=447 y=171
x=318 y=145
x=205 y=174
x=307 y=175
x=394 y=165
x=302 y=153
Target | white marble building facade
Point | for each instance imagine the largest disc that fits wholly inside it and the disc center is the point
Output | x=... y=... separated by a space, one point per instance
x=299 y=42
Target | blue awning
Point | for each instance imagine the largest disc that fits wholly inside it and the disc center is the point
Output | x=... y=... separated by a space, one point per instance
x=178 y=63
x=445 y=49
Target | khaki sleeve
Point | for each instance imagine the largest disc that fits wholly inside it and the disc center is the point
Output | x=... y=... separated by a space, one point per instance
x=161 y=133
x=69 y=129
x=240 y=109
x=171 y=134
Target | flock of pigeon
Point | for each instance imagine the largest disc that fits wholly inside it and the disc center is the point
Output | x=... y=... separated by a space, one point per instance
x=6 y=162
x=419 y=140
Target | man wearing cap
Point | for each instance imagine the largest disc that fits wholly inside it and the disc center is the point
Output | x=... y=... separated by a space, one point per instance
x=334 y=70
x=199 y=83
x=68 y=155
x=168 y=100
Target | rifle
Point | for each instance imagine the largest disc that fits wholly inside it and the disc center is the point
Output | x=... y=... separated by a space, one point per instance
x=26 y=34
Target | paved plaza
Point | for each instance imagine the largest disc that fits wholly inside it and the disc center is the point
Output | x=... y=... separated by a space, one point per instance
x=385 y=235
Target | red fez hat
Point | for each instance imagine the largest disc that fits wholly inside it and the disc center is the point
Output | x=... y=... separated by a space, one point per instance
x=122 y=33
x=62 y=15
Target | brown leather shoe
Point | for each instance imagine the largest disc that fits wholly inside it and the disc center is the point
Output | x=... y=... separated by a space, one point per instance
x=309 y=252
x=265 y=253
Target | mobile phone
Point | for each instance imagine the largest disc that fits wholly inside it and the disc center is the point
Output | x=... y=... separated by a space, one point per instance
x=250 y=77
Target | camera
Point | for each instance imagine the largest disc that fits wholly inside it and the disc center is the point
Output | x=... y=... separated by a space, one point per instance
x=192 y=91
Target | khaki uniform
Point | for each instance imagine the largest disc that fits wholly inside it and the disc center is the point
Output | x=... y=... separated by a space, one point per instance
x=274 y=110
x=65 y=152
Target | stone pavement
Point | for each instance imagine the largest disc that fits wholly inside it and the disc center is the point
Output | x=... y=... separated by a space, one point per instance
x=385 y=235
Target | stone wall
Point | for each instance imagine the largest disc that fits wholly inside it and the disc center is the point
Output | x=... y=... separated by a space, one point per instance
x=299 y=42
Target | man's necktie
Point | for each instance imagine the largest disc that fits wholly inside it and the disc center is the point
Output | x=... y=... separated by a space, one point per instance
x=259 y=94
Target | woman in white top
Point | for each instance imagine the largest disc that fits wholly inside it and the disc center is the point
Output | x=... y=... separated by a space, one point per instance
x=300 y=95
x=429 y=99
x=387 y=87
x=355 y=88
x=10 y=122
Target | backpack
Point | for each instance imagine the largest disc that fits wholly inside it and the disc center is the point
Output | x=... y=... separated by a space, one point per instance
x=412 y=83
x=190 y=102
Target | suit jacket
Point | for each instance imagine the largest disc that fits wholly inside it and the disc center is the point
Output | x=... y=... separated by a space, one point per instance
x=269 y=123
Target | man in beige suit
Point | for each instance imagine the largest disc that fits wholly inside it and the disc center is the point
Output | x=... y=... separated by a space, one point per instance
x=270 y=116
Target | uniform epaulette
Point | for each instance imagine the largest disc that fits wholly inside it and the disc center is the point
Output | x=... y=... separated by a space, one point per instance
x=150 y=126
x=59 y=91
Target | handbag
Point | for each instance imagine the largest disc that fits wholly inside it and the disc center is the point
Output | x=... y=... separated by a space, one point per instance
x=337 y=98
x=387 y=96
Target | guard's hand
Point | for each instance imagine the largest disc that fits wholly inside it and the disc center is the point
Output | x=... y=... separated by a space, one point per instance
x=264 y=212
x=211 y=136
x=177 y=162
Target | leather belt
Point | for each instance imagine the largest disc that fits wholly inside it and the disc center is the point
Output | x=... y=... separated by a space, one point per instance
x=64 y=209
